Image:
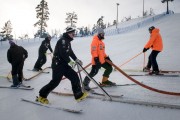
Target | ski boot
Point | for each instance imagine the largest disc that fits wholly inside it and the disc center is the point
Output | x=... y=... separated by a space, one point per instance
x=15 y=86
x=42 y=100
x=154 y=73
x=82 y=97
x=15 y=81
x=108 y=83
x=35 y=69
x=86 y=84
x=146 y=69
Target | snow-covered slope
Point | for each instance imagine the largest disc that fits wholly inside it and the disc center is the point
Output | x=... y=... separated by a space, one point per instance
x=120 y=48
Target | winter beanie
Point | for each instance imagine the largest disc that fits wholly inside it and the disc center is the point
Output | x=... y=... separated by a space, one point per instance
x=11 y=42
x=100 y=30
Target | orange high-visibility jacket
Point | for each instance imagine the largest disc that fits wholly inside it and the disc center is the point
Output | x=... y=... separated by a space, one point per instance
x=98 y=50
x=155 y=42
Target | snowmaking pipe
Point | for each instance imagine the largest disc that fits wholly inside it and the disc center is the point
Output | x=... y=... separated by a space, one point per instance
x=141 y=84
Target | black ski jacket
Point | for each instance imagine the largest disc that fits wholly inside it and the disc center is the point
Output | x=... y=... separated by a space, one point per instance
x=63 y=50
x=45 y=45
x=16 y=54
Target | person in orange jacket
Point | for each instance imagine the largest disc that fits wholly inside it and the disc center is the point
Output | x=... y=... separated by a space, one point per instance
x=98 y=60
x=156 y=44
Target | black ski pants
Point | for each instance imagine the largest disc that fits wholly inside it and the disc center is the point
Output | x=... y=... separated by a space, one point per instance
x=152 y=60
x=108 y=69
x=57 y=73
x=17 y=70
x=40 y=61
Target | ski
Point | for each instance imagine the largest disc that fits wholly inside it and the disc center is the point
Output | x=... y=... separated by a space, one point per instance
x=91 y=94
x=21 y=87
x=38 y=73
x=49 y=106
x=26 y=86
x=147 y=103
x=166 y=71
x=138 y=70
x=100 y=94
x=126 y=100
x=159 y=75
x=128 y=84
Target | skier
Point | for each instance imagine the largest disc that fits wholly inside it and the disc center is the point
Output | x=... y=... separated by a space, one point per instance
x=156 y=44
x=16 y=55
x=60 y=68
x=45 y=45
x=98 y=60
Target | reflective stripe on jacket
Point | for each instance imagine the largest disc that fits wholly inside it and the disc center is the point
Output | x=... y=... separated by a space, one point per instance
x=155 y=41
x=98 y=50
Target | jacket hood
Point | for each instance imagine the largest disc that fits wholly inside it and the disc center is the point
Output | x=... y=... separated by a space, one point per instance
x=156 y=30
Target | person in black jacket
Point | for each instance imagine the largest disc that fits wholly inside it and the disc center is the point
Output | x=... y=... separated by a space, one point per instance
x=60 y=68
x=45 y=45
x=16 y=55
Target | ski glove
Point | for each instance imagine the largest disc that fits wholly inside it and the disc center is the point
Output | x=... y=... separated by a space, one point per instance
x=108 y=58
x=97 y=63
x=72 y=64
x=145 y=49
x=79 y=62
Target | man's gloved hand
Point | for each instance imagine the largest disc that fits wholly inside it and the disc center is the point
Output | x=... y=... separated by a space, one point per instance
x=71 y=63
x=145 y=49
x=79 y=62
x=108 y=58
x=97 y=63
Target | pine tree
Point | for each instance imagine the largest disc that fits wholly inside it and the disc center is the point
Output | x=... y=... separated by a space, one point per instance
x=71 y=19
x=43 y=16
x=100 y=23
x=7 y=29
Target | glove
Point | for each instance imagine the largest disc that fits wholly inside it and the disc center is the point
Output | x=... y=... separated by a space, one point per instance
x=108 y=58
x=97 y=63
x=79 y=62
x=71 y=63
x=145 y=49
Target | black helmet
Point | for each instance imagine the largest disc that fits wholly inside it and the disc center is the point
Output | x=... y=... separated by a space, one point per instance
x=151 y=28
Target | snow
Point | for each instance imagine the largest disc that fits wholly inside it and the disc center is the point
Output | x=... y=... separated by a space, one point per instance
x=120 y=48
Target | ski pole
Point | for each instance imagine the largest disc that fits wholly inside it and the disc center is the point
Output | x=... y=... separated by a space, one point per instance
x=80 y=78
x=131 y=59
x=94 y=81
x=144 y=60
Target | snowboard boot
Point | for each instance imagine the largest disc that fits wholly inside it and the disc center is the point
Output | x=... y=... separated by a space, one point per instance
x=86 y=84
x=42 y=100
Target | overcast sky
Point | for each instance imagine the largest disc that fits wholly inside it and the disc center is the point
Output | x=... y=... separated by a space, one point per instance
x=22 y=13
